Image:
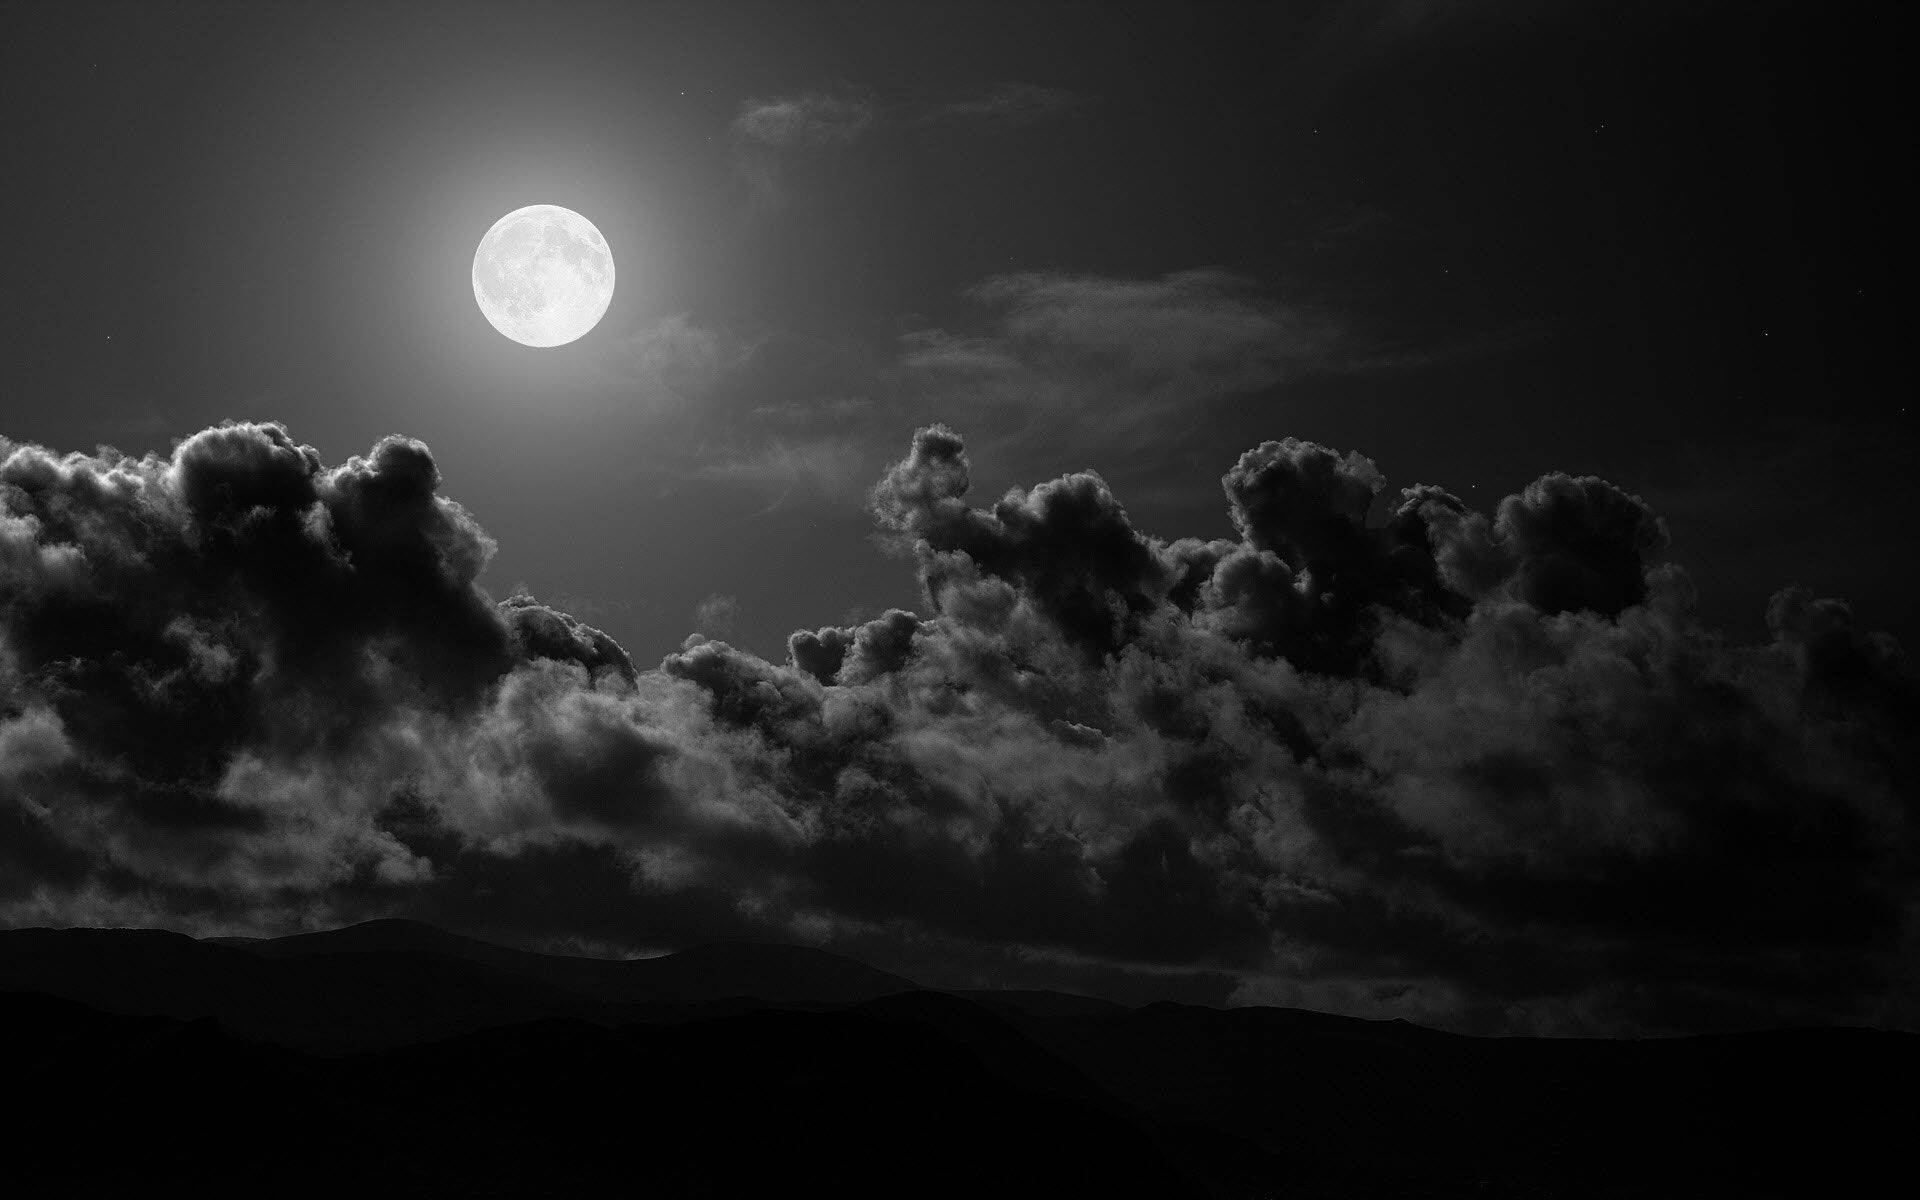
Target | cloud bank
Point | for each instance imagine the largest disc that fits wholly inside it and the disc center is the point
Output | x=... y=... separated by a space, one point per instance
x=1483 y=769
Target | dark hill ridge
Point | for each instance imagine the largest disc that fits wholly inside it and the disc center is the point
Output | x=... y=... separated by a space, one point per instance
x=387 y=983
x=348 y=1000
x=776 y=974
x=732 y=1069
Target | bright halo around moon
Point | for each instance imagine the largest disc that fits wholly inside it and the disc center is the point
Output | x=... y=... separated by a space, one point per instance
x=543 y=275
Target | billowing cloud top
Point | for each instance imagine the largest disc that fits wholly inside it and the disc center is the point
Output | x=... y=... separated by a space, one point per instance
x=1485 y=770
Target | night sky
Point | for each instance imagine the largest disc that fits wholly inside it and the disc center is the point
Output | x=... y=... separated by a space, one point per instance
x=1458 y=566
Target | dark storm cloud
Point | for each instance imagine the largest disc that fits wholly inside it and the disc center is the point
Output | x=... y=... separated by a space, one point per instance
x=204 y=657
x=1485 y=769
x=859 y=654
x=542 y=632
x=1066 y=546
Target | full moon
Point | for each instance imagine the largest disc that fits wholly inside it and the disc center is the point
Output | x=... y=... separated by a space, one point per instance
x=543 y=275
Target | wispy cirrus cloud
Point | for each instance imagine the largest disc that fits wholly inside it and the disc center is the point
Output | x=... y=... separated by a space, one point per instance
x=770 y=133
x=807 y=120
x=1104 y=360
x=1112 y=369
x=788 y=417
x=840 y=114
x=1101 y=364
x=1012 y=103
x=786 y=469
x=716 y=615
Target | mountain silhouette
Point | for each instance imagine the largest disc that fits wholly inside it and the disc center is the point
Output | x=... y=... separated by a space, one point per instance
x=706 y=974
x=387 y=983
x=394 y=1058
x=349 y=1000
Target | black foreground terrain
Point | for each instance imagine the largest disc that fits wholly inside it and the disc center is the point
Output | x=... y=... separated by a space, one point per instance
x=397 y=1059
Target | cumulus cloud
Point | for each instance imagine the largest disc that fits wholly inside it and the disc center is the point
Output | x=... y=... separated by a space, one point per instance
x=1483 y=769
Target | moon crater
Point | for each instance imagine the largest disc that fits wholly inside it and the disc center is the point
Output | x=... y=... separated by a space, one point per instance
x=543 y=275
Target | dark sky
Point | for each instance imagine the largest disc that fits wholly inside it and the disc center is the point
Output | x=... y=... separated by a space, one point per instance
x=1644 y=241
x=1473 y=242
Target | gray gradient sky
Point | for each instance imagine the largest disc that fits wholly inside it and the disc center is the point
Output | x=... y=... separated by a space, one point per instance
x=1473 y=241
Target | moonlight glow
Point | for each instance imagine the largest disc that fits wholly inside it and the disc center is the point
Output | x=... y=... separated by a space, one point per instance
x=543 y=275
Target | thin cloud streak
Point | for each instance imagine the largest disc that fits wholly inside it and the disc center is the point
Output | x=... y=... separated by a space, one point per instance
x=1111 y=368
x=809 y=120
x=1013 y=104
